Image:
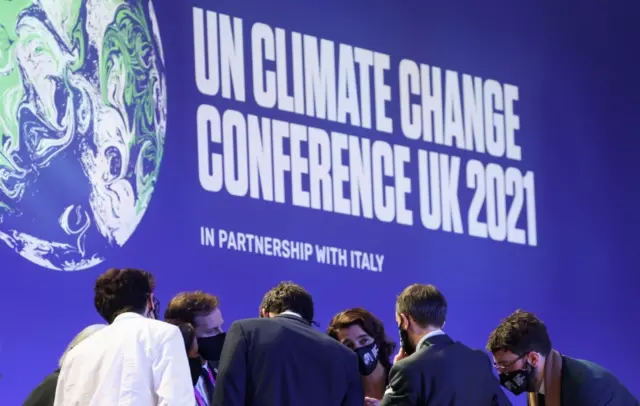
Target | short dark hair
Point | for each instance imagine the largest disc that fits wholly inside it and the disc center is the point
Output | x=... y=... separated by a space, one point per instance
x=187 y=331
x=424 y=303
x=288 y=296
x=186 y=306
x=520 y=333
x=122 y=290
x=371 y=325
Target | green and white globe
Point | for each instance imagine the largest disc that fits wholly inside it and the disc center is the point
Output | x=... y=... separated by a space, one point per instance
x=82 y=126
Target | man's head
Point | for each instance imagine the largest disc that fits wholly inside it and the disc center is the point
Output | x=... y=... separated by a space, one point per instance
x=520 y=345
x=125 y=290
x=420 y=309
x=202 y=311
x=199 y=309
x=287 y=296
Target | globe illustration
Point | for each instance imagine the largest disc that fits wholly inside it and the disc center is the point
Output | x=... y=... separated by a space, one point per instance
x=82 y=126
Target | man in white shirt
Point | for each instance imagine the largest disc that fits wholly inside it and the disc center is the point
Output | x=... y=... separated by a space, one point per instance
x=136 y=360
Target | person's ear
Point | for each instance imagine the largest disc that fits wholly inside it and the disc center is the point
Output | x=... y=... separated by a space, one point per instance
x=404 y=321
x=535 y=359
x=263 y=314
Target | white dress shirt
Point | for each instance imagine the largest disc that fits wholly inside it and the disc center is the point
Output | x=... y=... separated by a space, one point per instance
x=135 y=361
x=291 y=313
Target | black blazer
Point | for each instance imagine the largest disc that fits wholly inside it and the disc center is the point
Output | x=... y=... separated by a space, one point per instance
x=45 y=393
x=444 y=372
x=283 y=361
x=587 y=384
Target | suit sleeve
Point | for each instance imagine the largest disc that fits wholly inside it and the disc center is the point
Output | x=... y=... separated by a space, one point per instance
x=499 y=397
x=230 y=387
x=355 y=391
x=403 y=388
x=44 y=394
x=172 y=378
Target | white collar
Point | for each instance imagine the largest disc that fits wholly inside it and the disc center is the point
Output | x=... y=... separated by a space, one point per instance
x=429 y=335
x=290 y=313
x=541 y=390
x=128 y=315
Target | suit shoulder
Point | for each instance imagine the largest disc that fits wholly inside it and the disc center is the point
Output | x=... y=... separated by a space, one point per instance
x=585 y=369
x=333 y=343
x=248 y=324
x=583 y=372
x=589 y=380
x=481 y=356
x=411 y=362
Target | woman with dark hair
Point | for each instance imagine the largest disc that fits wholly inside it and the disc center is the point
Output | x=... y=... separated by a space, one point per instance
x=191 y=346
x=364 y=333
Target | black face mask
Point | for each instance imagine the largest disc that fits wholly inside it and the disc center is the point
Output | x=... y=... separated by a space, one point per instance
x=211 y=347
x=195 y=365
x=368 y=358
x=405 y=344
x=518 y=382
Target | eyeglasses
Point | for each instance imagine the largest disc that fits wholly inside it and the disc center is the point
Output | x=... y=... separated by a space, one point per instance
x=502 y=367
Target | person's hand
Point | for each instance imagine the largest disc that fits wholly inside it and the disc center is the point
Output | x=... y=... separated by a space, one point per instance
x=400 y=355
x=371 y=402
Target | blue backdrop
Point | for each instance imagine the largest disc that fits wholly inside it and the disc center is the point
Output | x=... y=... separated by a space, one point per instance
x=128 y=139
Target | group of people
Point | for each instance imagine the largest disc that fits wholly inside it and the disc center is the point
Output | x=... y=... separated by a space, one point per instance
x=280 y=359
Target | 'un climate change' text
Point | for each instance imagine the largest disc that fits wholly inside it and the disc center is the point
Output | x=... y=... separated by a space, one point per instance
x=462 y=173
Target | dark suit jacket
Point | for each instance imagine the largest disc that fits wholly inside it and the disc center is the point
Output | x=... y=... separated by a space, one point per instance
x=283 y=361
x=587 y=384
x=444 y=372
x=45 y=393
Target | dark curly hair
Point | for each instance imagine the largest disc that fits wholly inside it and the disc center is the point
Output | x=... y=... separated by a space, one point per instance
x=289 y=296
x=371 y=325
x=122 y=290
x=520 y=333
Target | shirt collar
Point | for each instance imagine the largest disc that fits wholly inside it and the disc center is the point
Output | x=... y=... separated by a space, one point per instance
x=541 y=390
x=127 y=316
x=290 y=313
x=429 y=335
